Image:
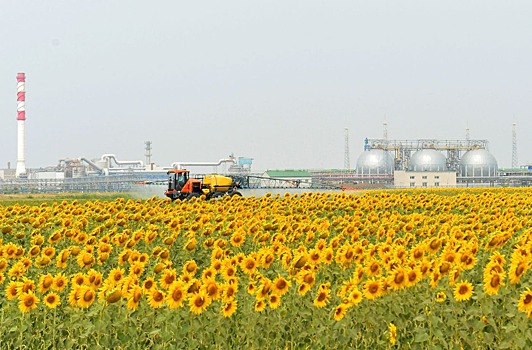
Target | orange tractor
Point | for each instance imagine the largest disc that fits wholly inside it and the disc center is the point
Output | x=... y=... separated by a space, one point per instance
x=181 y=186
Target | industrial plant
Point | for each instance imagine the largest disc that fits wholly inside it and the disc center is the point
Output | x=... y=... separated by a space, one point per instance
x=383 y=163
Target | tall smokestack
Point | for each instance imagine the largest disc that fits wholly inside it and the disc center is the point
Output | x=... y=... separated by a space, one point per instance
x=21 y=120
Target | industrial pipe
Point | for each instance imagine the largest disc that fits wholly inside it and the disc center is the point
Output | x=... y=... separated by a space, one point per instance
x=107 y=157
x=180 y=165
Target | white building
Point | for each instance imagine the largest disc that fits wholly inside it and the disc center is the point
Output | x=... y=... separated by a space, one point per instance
x=402 y=179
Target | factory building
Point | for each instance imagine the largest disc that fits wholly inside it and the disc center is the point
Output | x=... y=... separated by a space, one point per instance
x=427 y=163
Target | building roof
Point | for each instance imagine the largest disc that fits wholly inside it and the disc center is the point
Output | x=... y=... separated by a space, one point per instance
x=288 y=173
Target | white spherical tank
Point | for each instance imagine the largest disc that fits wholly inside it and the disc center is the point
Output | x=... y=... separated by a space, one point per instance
x=375 y=162
x=478 y=163
x=427 y=160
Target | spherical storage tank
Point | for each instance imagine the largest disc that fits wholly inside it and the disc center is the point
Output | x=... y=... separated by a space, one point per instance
x=478 y=163
x=427 y=160
x=375 y=162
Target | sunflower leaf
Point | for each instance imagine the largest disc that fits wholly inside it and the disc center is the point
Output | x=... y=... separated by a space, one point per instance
x=421 y=336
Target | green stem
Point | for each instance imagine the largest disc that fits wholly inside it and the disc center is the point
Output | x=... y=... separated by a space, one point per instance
x=53 y=329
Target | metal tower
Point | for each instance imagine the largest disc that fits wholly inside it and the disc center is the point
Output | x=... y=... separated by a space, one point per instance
x=514 y=146
x=385 y=130
x=467 y=134
x=148 y=153
x=346 y=150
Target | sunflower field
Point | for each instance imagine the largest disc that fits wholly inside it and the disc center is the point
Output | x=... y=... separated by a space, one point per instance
x=438 y=269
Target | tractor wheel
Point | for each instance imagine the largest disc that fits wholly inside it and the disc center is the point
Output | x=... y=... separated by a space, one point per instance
x=235 y=193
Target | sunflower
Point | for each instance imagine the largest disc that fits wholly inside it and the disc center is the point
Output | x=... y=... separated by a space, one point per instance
x=492 y=283
x=303 y=289
x=45 y=283
x=168 y=277
x=498 y=258
x=78 y=279
x=434 y=245
x=518 y=267
x=27 y=302
x=199 y=302
x=193 y=286
x=327 y=256
x=62 y=258
x=212 y=289
x=229 y=308
x=260 y=305
x=314 y=257
x=42 y=261
x=425 y=268
x=274 y=301
x=373 y=269
x=133 y=299
x=190 y=245
x=444 y=268
x=155 y=298
x=417 y=252
x=435 y=278
x=164 y=254
x=136 y=269
x=190 y=267
x=52 y=300
x=114 y=296
x=207 y=274
x=34 y=251
x=441 y=296
x=85 y=259
x=264 y=289
x=340 y=311
x=398 y=278
x=393 y=333
x=280 y=286
x=322 y=298
x=228 y=271
x=115 y=275
x=454 y=275
x=372 y=289
x=355 y=297
x=251 y=288
x=248 y=265
x=237 y=239
x=123 y=256
x=49 y=251
x=308 y=278
x=229 y=291
x=27 y=285
x=300 y=260
x=463 y=291
x=413 y=276
x=267 y=259
x=525 y=302
x=12 y=290
x=3 y=264
x=74 y=295
x=176 y=295
x=60 y=282
x=86 y=296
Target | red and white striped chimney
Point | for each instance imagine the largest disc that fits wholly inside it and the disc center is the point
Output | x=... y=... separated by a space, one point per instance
x=21 y=120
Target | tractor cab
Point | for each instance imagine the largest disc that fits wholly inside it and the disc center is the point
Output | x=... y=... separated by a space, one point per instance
x=181 y=186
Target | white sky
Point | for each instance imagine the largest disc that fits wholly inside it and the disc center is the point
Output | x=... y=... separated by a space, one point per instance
x=274 y=80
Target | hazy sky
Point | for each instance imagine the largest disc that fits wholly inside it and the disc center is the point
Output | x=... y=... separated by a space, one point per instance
x=274 y=80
